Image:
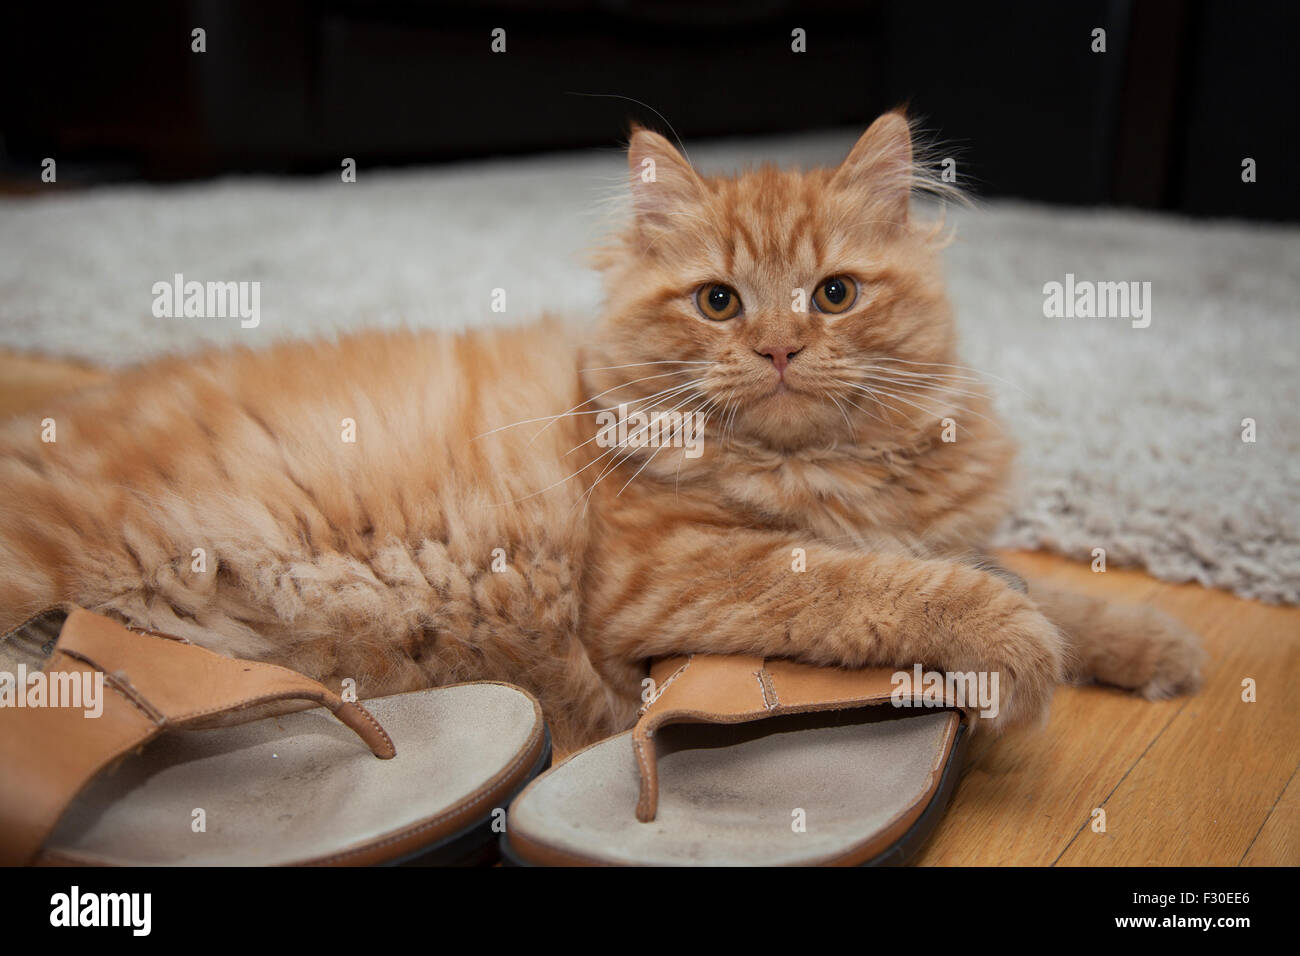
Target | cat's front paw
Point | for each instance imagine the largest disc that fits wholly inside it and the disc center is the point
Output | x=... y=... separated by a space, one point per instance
x=1028 y=653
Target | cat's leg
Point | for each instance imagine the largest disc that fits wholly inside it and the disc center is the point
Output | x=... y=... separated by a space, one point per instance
x=1126 y=645
x=1132 y=646
x=723 y=591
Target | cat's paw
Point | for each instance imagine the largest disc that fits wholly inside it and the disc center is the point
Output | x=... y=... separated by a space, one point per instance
x=1028 y=653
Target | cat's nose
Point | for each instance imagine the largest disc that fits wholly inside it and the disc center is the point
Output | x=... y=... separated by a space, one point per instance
x=779 y=355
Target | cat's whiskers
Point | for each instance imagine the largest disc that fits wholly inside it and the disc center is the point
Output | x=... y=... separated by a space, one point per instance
x=607 y=368
x=726 y=411
x=979 y=373
x=556 y=484
x=667 y=393
x=585 y=497
x=731 y=422
x=876 y=397
x=920 y=383
x=617 y=461
x=936 y=376
x=952 y=410
x=831 y=395
x=956 y=406
x=868 y=411
x=940 y=387
x=573 y=412
x=711 y=405
x=567 y=478
x=681 y=427
x=616 y=388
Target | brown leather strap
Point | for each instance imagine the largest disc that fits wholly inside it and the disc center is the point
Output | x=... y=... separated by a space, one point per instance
x=152 y=682
x=733 y=689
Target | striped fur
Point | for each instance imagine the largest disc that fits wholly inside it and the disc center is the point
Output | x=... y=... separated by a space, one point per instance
x=473 y=531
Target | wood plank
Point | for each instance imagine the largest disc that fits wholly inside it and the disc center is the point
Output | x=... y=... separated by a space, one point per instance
x=1208 y=784
x=1026 y=795
x=1278 y=840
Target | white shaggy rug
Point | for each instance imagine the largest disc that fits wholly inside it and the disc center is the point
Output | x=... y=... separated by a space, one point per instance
x=1131 y=437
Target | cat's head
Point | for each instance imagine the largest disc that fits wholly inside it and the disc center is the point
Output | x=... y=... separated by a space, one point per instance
x=793 y=307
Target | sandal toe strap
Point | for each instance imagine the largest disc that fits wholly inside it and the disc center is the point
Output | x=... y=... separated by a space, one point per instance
x=106 y=691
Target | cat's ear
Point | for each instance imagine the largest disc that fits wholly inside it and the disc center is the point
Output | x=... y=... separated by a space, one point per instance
x=880 y=166
x=662 y=180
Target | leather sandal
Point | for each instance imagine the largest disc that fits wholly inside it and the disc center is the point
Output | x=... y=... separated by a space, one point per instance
x=743 y=761
x=221 y=783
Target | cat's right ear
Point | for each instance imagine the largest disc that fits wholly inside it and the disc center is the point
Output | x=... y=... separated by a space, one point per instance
x=663 y=182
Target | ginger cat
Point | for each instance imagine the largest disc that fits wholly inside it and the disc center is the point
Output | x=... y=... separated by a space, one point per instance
x=474 y=529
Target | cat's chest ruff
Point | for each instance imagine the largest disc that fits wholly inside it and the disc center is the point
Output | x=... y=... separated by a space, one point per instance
x=828 y=493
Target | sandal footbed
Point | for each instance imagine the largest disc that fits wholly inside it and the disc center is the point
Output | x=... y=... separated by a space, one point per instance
x=733 y=795
x=298 y=787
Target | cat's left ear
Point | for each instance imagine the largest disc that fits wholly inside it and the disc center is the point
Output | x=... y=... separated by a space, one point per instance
x=880 y=166
x=662 y=180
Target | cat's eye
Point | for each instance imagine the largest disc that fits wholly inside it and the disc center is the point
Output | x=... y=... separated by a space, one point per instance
x=836 y=294
x=717 y=302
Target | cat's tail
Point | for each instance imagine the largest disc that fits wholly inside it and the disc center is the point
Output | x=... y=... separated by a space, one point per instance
x=1134 y=646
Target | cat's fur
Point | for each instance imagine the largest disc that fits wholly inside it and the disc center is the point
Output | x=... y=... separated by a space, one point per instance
x=374 y=559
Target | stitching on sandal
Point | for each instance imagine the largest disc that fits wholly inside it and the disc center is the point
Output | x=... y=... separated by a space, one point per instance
x=119 y=682
x=370 y=717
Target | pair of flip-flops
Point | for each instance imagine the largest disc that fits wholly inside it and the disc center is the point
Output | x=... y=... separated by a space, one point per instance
x=734 y=761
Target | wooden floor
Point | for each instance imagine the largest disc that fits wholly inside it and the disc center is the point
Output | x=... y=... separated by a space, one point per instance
x=1208 y=780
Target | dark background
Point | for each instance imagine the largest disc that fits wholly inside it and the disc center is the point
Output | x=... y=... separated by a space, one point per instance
x=1162 y=120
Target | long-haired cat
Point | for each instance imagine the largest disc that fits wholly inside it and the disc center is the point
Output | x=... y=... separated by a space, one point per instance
x=409 y=509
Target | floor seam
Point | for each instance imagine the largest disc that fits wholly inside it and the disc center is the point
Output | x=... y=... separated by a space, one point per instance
x=1118 y=783
x=1268 y=816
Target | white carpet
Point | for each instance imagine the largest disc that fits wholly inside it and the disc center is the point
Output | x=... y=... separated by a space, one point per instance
x=1131 y=438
